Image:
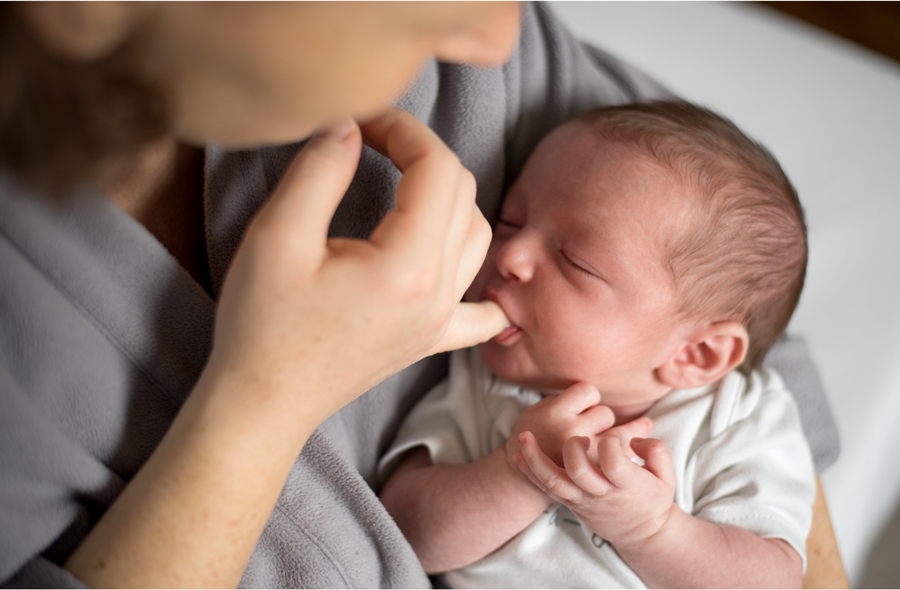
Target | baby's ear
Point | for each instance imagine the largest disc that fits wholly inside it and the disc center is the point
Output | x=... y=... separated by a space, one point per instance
x=705 y=356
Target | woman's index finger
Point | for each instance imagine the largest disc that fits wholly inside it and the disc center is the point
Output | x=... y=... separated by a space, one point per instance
x=398 y=135
x=428 y=191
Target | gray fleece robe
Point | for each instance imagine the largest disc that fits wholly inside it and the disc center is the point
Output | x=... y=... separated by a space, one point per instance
x=103 y=334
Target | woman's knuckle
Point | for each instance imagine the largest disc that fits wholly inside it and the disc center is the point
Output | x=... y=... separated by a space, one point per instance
x=271 y=239
x=481 y=230
x=446 y=163
x=467 y=182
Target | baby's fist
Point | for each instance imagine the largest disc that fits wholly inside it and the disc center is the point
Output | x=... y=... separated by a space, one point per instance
x=557 y=418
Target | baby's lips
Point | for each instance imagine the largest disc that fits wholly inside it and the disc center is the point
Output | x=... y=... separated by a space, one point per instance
x=506 y=334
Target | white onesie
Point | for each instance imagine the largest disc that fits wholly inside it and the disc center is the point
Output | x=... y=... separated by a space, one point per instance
x=737 y=446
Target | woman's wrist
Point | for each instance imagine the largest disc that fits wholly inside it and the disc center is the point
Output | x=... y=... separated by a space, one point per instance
x=292 y=402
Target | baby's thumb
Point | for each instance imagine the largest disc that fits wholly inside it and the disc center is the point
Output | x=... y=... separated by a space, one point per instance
x=314 y=184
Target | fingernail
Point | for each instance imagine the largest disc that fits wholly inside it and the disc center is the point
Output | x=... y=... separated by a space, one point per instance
x=521 y=438
x=338 y=131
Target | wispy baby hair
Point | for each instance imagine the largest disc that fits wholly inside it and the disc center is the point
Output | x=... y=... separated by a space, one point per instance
x=744 y=256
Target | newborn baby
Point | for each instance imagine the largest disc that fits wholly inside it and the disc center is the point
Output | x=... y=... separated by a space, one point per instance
x=647 y=258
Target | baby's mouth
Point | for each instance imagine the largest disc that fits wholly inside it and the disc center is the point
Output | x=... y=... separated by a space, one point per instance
x=507 y=334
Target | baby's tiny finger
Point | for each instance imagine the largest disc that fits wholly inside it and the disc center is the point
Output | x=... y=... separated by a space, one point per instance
x=614 y=464
x=582 y=471
x=657 y=458
x=597 y=419
x=636 y=428
x=522 y=464
x=550 y=478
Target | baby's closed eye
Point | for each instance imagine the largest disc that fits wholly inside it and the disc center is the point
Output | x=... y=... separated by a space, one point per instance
x=578 y=264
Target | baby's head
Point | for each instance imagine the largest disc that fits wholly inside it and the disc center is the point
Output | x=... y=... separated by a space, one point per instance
x=643 y=248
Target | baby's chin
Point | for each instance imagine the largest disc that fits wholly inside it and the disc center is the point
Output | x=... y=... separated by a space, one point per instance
x=498 y=359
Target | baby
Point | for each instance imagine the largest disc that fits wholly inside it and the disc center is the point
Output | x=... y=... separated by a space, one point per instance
x=647 y=257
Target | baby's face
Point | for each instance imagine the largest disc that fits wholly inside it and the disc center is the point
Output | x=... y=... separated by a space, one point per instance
x=576 y=263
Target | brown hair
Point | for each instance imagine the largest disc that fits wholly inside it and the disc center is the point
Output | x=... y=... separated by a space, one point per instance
x=744 y=257
x=62 y=122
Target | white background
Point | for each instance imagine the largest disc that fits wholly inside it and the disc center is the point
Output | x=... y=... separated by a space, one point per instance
x=830 y=112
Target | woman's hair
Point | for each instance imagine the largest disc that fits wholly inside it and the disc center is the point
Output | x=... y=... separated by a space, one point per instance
x=743 y=257
x=61 y=121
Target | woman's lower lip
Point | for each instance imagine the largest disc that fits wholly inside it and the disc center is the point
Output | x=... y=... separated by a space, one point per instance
x=507 y=333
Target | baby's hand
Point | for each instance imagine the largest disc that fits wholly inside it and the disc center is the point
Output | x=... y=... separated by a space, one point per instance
x=557 y=418
x=619 y=500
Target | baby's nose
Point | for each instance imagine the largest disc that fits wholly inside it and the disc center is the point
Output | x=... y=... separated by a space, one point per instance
x=515 y=260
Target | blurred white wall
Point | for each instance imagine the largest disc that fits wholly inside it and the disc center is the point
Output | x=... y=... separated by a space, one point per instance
x=830 y=112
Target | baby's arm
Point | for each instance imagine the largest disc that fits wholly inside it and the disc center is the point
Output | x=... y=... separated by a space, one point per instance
x=632 y=507
x=454 y=515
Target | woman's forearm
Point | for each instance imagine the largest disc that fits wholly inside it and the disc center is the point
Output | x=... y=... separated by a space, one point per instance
x=193 y=513
x=454 y=515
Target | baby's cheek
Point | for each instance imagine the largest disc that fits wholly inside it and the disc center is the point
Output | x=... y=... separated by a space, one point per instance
x=567 y=336
x=560 y=359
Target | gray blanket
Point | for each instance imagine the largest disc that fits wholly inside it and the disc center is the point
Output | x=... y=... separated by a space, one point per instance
x=103 y=334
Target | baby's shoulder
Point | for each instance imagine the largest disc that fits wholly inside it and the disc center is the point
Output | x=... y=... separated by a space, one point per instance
x=760 y=395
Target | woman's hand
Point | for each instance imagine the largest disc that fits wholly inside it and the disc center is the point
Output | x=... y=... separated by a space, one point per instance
x=340 y=315
x=304 y=325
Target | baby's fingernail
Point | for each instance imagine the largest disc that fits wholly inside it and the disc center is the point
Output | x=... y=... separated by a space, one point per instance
x=521 y=438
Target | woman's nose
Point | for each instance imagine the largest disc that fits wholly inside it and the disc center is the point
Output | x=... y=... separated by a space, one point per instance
x=516 y=258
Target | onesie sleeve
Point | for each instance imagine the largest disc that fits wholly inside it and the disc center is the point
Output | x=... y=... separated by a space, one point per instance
x=463 y=418
x=756 y=470
x=445 y=421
